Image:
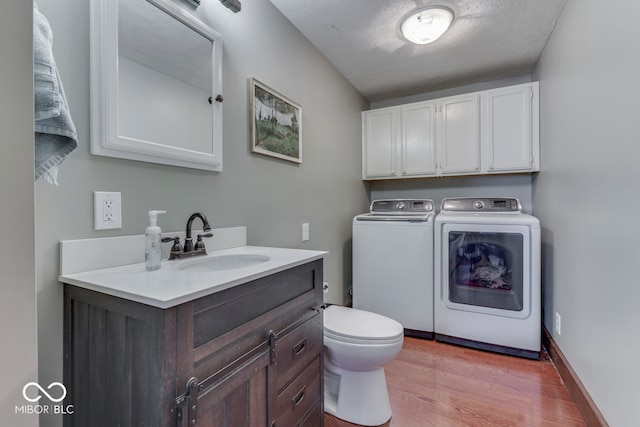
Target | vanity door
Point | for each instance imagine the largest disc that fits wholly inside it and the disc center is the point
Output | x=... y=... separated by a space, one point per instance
x=235 y=397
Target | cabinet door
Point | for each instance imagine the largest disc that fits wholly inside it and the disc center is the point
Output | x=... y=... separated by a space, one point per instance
x=379 y=143
x=239 y=398
x=510 y=123
x=418 y=135
x=459 y=135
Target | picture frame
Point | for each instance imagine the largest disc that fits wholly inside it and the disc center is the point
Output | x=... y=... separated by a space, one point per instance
x=275 y=123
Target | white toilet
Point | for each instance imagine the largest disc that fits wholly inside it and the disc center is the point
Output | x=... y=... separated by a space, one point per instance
x=357 y=346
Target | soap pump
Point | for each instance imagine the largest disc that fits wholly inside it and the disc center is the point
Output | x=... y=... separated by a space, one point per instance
x=153 y=244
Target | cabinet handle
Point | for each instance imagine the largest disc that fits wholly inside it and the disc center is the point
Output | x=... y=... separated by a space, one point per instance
x=297 y=400
x=300 y=347
x=272 y=346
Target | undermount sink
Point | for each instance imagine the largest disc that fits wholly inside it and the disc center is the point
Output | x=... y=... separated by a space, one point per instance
x=224 y=262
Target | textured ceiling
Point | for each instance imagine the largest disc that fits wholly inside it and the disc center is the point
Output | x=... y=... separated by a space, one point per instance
x=488 y=40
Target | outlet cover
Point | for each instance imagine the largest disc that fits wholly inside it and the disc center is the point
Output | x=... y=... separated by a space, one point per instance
x=558 y=323
x=107 y=210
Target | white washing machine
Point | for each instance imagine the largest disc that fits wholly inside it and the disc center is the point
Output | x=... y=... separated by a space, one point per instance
x=487 y=276
x=393 y=262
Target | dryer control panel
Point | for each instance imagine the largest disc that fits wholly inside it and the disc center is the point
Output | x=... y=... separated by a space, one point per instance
x=469 y=204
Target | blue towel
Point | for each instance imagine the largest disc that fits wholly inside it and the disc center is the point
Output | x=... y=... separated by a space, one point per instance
x=55 y=133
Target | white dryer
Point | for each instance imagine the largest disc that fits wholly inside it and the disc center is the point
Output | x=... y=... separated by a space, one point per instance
x=487 y=276
x=393 y=262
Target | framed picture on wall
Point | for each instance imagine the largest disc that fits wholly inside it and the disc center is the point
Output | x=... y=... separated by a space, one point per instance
x=276 y=124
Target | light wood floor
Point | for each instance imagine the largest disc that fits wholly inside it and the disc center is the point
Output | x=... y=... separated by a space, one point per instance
x=436 y=384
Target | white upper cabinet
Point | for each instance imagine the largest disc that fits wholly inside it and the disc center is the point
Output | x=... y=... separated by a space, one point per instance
x=379 y=134
x=458 y=135
x=494 y=131
x=511 y=126
x=418 y=139
x=399 y=142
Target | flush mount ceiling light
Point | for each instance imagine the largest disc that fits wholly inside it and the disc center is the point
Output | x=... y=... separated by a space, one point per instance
x=426 y=25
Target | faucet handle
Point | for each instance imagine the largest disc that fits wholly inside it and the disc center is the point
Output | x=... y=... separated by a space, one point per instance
x=177 y=247
x=199 y=243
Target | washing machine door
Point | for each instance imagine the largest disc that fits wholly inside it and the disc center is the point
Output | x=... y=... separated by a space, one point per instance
x=486 y=268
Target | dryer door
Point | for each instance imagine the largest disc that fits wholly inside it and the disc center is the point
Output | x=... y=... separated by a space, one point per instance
x=486 y=268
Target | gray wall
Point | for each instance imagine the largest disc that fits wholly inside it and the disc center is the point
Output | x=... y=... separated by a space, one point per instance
x=587 y=200
x=18 y=357
x=271 y=197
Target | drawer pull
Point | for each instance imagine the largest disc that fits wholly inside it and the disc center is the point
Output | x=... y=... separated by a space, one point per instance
x=300 y=347
x=297 y=400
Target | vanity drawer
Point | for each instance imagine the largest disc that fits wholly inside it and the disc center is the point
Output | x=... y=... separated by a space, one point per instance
x=297 y=349
x=300 y=396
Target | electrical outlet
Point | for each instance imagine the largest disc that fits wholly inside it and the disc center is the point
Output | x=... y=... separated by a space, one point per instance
x=558 y=324
x=107 y=210
x=305 y=232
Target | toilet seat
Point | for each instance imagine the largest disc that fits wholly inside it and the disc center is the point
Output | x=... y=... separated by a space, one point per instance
x=355 y=326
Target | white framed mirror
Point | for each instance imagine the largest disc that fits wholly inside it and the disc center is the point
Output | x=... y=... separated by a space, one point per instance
x=156 y=84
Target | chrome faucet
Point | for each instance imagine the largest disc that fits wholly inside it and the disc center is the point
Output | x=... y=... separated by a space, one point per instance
x=189 y=250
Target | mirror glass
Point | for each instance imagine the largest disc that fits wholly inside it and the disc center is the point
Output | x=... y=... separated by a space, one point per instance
x=160 y=72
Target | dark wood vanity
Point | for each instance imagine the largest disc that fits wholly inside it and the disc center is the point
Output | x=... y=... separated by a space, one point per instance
x=250 y=355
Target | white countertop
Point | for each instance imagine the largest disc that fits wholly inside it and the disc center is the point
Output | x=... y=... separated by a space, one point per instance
x=170 y=285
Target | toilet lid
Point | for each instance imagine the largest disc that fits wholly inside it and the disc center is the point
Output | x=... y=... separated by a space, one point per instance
x=349 y=324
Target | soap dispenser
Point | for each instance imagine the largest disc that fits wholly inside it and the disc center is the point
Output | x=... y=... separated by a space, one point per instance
x=153 y=243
